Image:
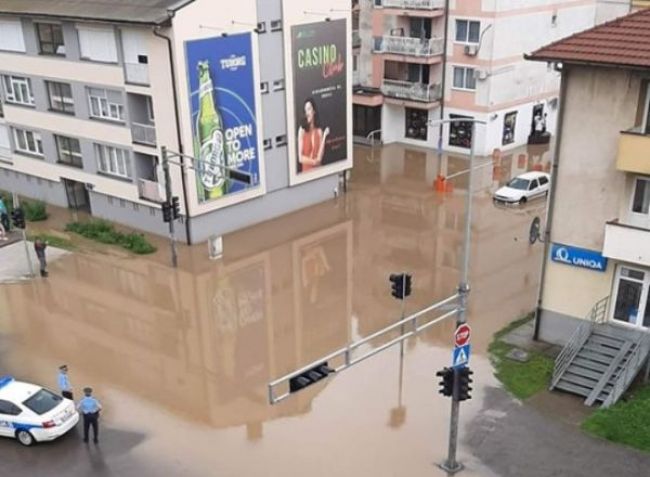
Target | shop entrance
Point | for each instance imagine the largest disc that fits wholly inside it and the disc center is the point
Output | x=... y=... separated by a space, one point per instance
x=77 y=195
x=632 y=297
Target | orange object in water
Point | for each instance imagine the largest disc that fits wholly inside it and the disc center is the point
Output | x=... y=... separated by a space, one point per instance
x=439 y=183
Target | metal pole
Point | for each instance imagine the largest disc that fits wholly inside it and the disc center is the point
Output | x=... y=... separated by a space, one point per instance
x=452 y=465
x=168 y=193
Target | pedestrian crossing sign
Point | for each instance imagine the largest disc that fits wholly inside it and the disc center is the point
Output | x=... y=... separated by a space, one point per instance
x=461 y=356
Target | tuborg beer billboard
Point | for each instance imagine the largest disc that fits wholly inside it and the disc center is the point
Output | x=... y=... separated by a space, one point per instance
x=319 y=87
x=225 y=132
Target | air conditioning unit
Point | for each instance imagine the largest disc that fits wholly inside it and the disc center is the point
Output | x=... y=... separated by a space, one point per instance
x=480 y=74
x=471 y=50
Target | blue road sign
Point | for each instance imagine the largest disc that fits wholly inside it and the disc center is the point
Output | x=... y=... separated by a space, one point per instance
x=461 y=356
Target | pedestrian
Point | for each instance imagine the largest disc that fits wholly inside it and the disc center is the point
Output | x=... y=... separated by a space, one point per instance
x=39 y=248
x=89 y=408
x=4 y=216
x=64 y=382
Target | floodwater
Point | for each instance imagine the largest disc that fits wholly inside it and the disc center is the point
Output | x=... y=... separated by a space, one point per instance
x=181 y=358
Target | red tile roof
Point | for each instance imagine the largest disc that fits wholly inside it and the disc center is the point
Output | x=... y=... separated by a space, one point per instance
x=621 y=42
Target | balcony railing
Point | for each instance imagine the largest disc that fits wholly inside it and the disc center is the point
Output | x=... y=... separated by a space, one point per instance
x=414 y=4
x=403 y=45
x=627 y=243
x=150 y=190
x=633 y=147
x=137 y=73
x=427 y=93
x=356 y=39
x=144 y=133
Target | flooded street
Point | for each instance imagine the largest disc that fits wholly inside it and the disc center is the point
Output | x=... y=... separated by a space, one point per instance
x=181 y=358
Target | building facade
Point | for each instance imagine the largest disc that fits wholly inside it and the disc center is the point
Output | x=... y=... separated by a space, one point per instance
x=89 y=99
x=422 y=60
x=598 y=232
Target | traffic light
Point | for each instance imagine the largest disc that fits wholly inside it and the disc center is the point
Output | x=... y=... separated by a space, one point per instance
x=397 y=285
x=309 y=377
x=167 y=211
x=176 y=208
x=407 y=285
x=464 y=381
x=18 y=218
x=447 y=382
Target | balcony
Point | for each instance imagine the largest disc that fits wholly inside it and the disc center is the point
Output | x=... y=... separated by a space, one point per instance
x=137 y=73
x=426 y=93
x=627 y=243
x=414 y=4
x=403 y=45
x=633 y=152
x=150 y=190
x=144 y=134
x=356 y=39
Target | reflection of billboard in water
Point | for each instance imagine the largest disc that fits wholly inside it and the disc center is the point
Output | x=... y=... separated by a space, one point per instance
x=222 y=101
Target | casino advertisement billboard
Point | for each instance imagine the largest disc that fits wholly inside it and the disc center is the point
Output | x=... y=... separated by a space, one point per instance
x=223 y=104
x=319 y=99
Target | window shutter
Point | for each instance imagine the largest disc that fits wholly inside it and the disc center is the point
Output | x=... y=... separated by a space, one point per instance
x=11 y=36
x=97 y=44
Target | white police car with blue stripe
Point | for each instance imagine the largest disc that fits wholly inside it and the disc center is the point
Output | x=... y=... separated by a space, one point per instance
x=31 y=413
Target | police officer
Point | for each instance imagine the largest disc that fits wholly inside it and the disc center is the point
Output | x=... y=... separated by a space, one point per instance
x=64 y=382
x=89 y=408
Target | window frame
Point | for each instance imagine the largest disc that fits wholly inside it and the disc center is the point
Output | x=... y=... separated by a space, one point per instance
x=36 y=140
x=467 y=40
x=465 y=69
x=640 y=215
x=66 y=102
x=55 y=46
x=13 y=88
x=104 y=106
x=113 y=157
x=17 y=408
x=60 y=140
x=408 y=119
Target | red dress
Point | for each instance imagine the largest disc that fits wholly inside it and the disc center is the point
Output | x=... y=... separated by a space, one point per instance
x=310 y=146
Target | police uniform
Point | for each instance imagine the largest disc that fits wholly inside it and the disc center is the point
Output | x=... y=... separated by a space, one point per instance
x=89 y=408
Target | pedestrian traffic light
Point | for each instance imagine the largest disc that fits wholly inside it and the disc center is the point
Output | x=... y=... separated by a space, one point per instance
x=176 y=208
x=167 y=211
x=407 y=285
x=447 y=382
x=18 y=218
x=397 y=285
x=309 y=377
x=464 y=381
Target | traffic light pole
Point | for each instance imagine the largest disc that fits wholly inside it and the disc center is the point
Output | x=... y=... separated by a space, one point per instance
x=168 y=198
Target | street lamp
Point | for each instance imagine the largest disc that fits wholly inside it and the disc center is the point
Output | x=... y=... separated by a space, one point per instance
x=451 y=465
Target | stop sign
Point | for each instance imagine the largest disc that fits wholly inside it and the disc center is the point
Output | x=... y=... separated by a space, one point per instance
x=462 y=334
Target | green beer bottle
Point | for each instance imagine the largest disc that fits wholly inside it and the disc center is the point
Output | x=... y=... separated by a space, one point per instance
x=209 y=140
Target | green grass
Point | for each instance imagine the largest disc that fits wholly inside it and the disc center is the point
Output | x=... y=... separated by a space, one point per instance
x=35 y=211
x=53 y=240
x=104 y=232
x=627 y=422
x=520 y=379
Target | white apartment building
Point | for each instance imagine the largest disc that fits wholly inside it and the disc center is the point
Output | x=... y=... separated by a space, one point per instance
x=91 y=91
x=408 y=74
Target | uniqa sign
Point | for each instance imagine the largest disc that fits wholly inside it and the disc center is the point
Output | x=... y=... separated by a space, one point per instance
x=578 y=257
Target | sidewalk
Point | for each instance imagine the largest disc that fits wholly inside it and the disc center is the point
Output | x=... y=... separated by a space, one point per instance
x=13 y=261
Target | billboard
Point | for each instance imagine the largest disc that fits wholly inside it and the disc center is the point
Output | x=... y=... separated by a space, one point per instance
x=222 y=91
x=319 y=100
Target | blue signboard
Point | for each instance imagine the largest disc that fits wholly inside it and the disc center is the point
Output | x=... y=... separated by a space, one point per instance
x=578 y=257
x=222 y=100
x=461 y=356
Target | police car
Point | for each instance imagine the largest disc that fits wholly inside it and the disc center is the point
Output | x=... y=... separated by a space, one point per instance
x=31 y=413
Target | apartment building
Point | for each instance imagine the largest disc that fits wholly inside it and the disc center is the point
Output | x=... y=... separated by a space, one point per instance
x=421 y=60
x=90 y=93
x=599 y=213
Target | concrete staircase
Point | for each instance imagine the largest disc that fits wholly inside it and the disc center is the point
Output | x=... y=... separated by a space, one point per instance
x=601 y=360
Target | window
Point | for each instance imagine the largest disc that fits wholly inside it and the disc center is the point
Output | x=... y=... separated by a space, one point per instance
x=264 y=87
x=276 y=25
x=468 y=31
x=50 y=39
x=150 y=114
x=97 y=44
x=43 y=401
x=416 y=123
x=112 y=160
x=543 y=180
x=261 y=27
x=60 y=97
x=9 y=409
x=278 y=85
x=267 y=144
x=641 y=197
x=533 y=185
x=281 y=140
x=18 y=90
x=464 y=78
x=11 y=36
x=28 y=141
x=106 y=104
x=509 y=124
x=460 y=132
x=69 y=151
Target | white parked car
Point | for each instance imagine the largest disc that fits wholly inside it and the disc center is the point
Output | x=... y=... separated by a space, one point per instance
x=31 y=413
x=523 y=188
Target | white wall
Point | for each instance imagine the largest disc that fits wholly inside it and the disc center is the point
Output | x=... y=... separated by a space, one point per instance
x=394 y=127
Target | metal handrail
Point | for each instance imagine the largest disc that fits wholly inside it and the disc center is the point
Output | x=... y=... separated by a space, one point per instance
x=639 y=355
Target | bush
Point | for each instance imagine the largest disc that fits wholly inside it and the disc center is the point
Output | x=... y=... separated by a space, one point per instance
x=34 y=211
x=104 y=232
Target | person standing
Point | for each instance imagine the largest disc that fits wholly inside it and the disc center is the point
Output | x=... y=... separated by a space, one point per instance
x=89 y=408
x=4 y=216
x=64 y=382
x=39 y=248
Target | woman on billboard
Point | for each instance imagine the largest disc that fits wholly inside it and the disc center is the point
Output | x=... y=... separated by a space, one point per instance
x=311 y=138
